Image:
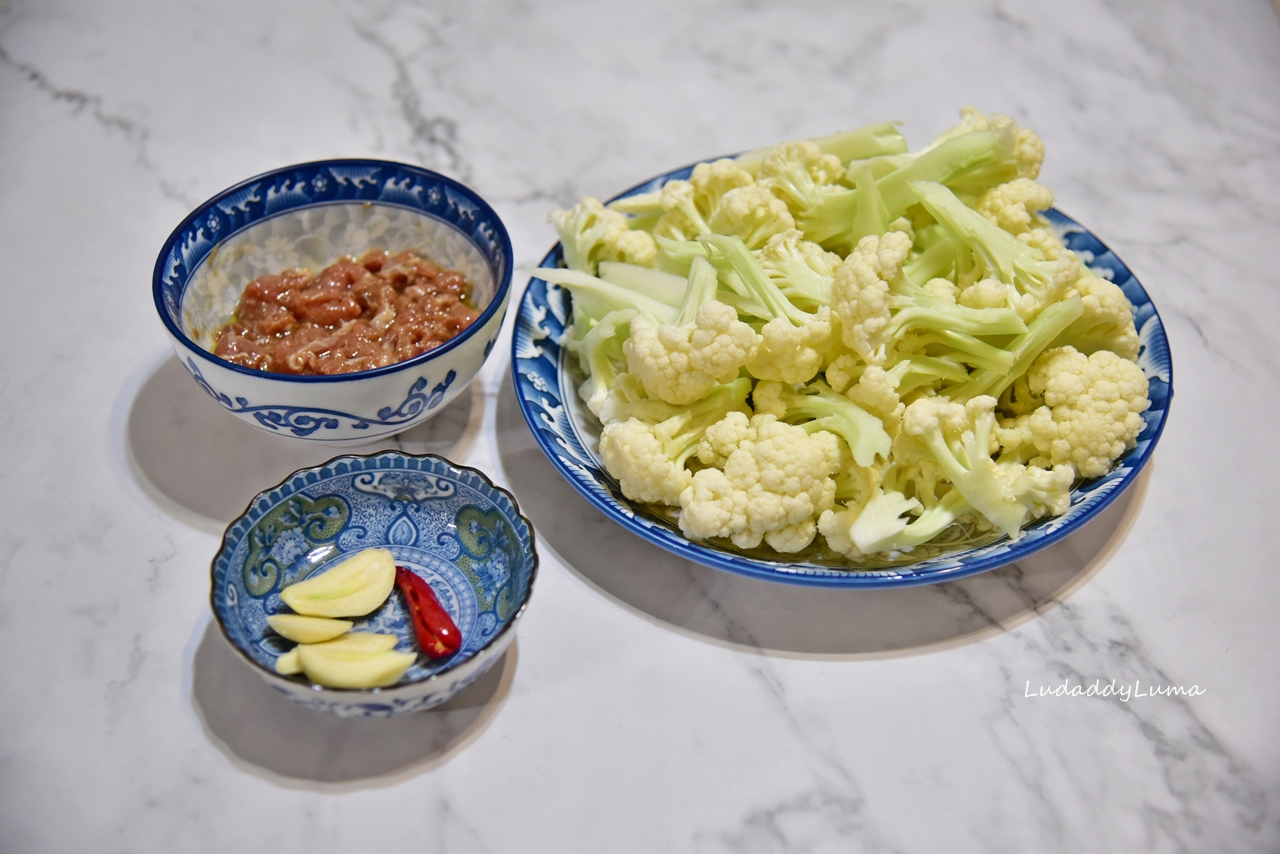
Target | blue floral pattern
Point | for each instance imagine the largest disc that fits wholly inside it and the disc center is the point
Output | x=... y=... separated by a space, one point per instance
x=548 y=400
x=303 y=422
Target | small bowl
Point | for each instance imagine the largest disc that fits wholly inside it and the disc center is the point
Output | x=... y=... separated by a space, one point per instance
x=448 y=523
x=310 y=215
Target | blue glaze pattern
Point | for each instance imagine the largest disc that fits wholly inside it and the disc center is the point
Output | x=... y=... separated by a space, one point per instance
x=450 y=525
x=303 y=422
x=548 y=400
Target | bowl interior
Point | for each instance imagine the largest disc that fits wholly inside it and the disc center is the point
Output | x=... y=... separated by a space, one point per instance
x=313 y=238
x=450 y=525
x=310 y=215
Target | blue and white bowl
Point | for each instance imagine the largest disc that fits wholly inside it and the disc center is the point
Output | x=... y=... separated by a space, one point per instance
x=546 y=382
x=447 y=523
x=310 y=215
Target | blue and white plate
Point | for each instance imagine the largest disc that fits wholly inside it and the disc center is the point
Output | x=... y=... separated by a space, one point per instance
x=544 y=376
x=447 y=523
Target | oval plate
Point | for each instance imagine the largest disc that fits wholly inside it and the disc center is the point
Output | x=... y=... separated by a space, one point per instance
x=568 y=435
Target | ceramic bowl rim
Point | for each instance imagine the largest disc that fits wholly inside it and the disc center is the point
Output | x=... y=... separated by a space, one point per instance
x=501 y=294
x=452 y=667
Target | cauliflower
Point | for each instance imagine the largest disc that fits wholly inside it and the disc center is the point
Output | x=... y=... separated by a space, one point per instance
x=794 y=344
x=647 y=446
x=773 y=486
x=1107 y=321
x=876 y=306
x=805 y=179
x=989 y=252
x=819 y=408
x=802 y=269
x=860 y=293
x=646 y=471
x=876 y=391
x=1014 y=206
x=882 y=524
x=752 y=213
x=959 y=437
x=1028 y=147
x=872 y=304
x=1092 y=410
x=590 y=233
x=680 y=364
x=792 y=354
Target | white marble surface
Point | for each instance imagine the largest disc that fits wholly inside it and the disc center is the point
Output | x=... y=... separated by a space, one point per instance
x=649 y=704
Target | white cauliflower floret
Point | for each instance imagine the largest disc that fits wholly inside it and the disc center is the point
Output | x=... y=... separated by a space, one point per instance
x=802 y=269
x=1044 y=241
x=795 y=170
x=876 y=391
x=1028 y=147
x=860 y=292
x=680 y=364
x=942 y=289
x=1013 y=206
x=843 y=371
x=591 y=233
x=1092 y=409
x=639 y=460
x=985 y=293
x=689 y=206
x=790 y=353
x=723 y=438
x=773 y=486
x=1107 y=321
x=752 y=213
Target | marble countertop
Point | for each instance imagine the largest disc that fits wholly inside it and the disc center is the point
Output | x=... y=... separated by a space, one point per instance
x=648 y=704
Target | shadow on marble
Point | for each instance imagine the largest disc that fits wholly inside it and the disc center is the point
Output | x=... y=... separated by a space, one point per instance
x=204 y=465
x=790 y=620
x=266 y=733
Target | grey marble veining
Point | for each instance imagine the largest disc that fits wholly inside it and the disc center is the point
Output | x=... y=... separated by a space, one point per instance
x=648 y=704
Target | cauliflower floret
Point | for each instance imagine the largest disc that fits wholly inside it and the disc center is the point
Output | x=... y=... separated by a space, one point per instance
x=795 y=170
x=876 y=391
x=634 y=454
x=723 y=438
x=802 y=269
x=942 y=289
x=843 y=371
x=752 y=213
x=1092 y=409
x=1013 y=206
x=790 y=353
x=1028 y=147
x=860 y=292
x=1044 y=241
x=632 y=247
x=689 y=206
x=985 y=293
x=591 y=233
x=680 y=364
x=712 y=180
x=773 y=486
x=1107 y=322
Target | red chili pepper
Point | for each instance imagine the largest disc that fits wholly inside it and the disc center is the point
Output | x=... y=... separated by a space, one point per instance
x=436 y=631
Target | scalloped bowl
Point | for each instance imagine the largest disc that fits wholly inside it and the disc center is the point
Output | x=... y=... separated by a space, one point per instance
x=447 y=523
x=546 y=382
x=310 y=215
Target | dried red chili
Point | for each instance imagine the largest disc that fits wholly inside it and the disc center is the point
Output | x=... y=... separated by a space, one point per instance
x=436 y=631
